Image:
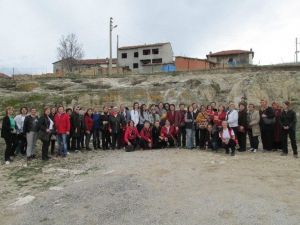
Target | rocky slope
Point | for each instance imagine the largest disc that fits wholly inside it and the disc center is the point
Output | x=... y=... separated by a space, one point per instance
x=201 y=87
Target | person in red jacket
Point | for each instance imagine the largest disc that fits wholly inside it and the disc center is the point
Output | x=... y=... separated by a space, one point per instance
x=180 y=126
x=146 y=136
x=219 y=117
x=88 y=127
x=131 y=137
x=171 y=114
x=62 y=125
x=210 y=112
x=168 y=133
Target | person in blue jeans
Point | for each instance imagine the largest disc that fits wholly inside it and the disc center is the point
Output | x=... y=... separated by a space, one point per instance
x=190 y=127
x=62 y=125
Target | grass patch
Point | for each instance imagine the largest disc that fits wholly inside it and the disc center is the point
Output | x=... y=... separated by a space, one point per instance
x=27 y=87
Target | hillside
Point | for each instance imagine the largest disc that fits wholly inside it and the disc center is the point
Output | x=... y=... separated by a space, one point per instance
x=201 y=87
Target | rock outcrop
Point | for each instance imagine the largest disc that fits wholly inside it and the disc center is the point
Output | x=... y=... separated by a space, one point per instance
x=201 y=87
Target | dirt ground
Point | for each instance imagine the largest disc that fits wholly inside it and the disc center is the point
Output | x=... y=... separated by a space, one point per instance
x=172 y=186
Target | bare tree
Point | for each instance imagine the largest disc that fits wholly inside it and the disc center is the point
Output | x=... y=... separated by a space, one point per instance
x=69 y=51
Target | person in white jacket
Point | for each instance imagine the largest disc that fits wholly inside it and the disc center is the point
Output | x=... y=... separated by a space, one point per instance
x=21 y=137
x=135 y=114
x=232 y=117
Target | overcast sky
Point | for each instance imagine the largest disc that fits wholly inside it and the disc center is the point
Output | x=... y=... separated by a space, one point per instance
x=31 y=29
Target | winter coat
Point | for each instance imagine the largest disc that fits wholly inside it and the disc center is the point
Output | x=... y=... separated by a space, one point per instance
x=202 y=120
x=288 y=118
x=44 y=125
x=104 y=119
x=115 y=123
x=62 y=123
x=30 y=124
x=96 y=121
x=233 y=136
x=155 y=134
x=135 y=116
x=146 y=134
x=6 y=131
x=221 y=117
x=270 y=119
x=171 y=117
x=125 y=116
x=242 y=121
x=168 y=134
x=76 y=125
x=88 y=123
x=131 y=133
x=144 y=118
x=253 y=122
x=189 y=120
x=179 y=118
x=153 y=117
x=232 y=118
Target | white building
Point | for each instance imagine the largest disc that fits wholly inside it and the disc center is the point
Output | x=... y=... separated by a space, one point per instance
x=146 y=58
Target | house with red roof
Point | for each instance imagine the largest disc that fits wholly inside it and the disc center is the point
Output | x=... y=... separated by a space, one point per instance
x=231 y=58
x=82 y=66
x=3 y=75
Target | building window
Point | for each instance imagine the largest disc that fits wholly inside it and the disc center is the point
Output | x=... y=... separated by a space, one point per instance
x=146 y=61
x=135 y=65
x=156 y=60
x=155 y=51
x=124 y=55
x=136 y=54
x=146 y=52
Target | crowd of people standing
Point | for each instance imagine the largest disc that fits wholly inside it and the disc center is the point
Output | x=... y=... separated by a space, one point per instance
x=150 y=127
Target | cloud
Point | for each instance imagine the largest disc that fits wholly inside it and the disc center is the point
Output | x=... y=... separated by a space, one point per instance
x=30 y=29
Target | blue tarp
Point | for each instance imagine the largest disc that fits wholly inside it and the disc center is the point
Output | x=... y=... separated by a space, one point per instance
x=168 y=68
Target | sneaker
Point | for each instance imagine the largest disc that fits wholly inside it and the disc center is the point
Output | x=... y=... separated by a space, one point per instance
x=68 y=153
x=7 y=162
x=296 y=156
x=251 y=149
x=254 y=150
x=232 y=153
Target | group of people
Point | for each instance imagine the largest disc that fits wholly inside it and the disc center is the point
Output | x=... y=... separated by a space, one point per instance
x=149 y=127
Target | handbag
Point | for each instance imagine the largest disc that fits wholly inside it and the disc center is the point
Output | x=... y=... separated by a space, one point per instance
x=241 y=130
x=53 y=137
x=129 y=148
x=269 y=121
x=44 y=136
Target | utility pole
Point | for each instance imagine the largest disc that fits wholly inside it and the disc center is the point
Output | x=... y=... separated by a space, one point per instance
x=111 y=27
x=110 y=46
x=118 y=54
x=296 y=52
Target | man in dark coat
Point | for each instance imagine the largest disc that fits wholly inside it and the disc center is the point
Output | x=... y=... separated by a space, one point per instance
x=242 y=127
x=115 y=126
x=288 y=122
x=267 y=121
x=104 y=127
x=75 y=129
